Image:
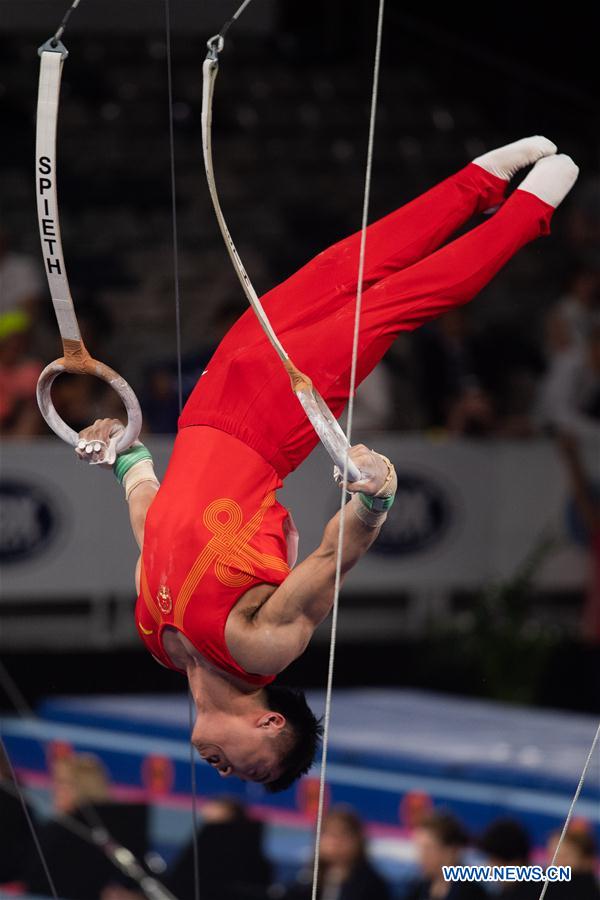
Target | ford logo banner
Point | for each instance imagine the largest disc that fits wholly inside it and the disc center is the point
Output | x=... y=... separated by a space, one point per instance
x=28 y=520
x=419 y=518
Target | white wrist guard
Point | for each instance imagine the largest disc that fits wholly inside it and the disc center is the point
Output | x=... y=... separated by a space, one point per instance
x=140 y=472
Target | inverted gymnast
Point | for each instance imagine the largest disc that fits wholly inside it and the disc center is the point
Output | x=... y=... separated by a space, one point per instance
x=220 y=598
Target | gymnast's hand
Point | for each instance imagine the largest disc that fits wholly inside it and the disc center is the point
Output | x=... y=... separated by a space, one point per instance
x=97 y=443
x=378 y=473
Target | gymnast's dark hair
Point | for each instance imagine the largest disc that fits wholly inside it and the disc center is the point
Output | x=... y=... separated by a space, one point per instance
x=301 y=734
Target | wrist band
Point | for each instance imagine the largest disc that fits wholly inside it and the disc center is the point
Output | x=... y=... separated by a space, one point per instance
x=125 y=461
x=376 y=504
x=370 y=517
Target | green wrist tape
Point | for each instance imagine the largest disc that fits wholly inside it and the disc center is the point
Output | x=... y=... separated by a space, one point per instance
x=376 y=504
x=126 y=460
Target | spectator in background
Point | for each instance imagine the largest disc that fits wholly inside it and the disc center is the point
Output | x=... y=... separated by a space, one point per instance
x=80 y=869
x=20 y=280
x=345 y=872
x=477 y=383
x=76 y=398
x=23 y=290
x=402 y=366
x=231 y=861
x=230 y=856
x=78 y=780
x=506 y=843
x=19 y=372
x=373 y=402
x=472 y=412
x=569 y=397
x=16 y=837
x=579 y=851
x=569 y=322
x=441 y=841
x=572 y=381
x=588 y=511
x=451 y=377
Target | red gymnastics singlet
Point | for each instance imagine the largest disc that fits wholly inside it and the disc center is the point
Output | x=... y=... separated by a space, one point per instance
x=214 y=530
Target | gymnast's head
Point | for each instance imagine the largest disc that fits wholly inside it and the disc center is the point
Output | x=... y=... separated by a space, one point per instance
x=272 y=740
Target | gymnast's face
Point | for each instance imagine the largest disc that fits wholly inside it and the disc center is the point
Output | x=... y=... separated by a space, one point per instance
x=246 y=746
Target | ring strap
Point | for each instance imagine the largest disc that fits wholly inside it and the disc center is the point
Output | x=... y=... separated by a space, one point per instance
x=51 y=63
x=76 y=358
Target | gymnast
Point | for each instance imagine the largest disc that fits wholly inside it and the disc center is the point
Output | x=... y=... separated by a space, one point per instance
x=220 y=598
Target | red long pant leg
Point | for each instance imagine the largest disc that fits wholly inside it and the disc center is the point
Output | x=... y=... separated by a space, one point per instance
x=393 y=242
x=246 y=391
x=448 y=278
x=328 y=283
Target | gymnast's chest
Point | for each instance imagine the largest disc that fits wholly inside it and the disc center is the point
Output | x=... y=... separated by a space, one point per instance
x=191 y=542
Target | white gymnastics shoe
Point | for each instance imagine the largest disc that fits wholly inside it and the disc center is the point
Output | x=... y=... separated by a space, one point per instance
x=505 y=161
x=551 y=179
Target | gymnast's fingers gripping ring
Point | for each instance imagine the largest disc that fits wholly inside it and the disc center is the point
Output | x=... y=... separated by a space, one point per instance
x=91 y=367
x=94 y=446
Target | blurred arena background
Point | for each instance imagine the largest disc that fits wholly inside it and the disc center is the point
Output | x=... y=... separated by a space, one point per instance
x=468 y=665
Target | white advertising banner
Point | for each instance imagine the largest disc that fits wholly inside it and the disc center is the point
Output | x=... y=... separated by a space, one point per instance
x=466 y=514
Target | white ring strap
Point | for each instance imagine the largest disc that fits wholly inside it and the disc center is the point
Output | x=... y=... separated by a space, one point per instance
x=76 y=358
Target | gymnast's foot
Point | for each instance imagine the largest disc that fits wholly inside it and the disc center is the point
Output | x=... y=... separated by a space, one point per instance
x=551 y=179
x=504 y=162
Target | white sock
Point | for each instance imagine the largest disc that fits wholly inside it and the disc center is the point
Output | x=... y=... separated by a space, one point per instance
x=505 y=161
x=551 y=179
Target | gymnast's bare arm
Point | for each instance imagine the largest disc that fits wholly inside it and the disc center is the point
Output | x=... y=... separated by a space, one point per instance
x=267 y=638
x=140 y=498
x=140 y=501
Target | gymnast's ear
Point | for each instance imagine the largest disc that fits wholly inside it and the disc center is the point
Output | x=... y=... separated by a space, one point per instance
x=272 y=721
